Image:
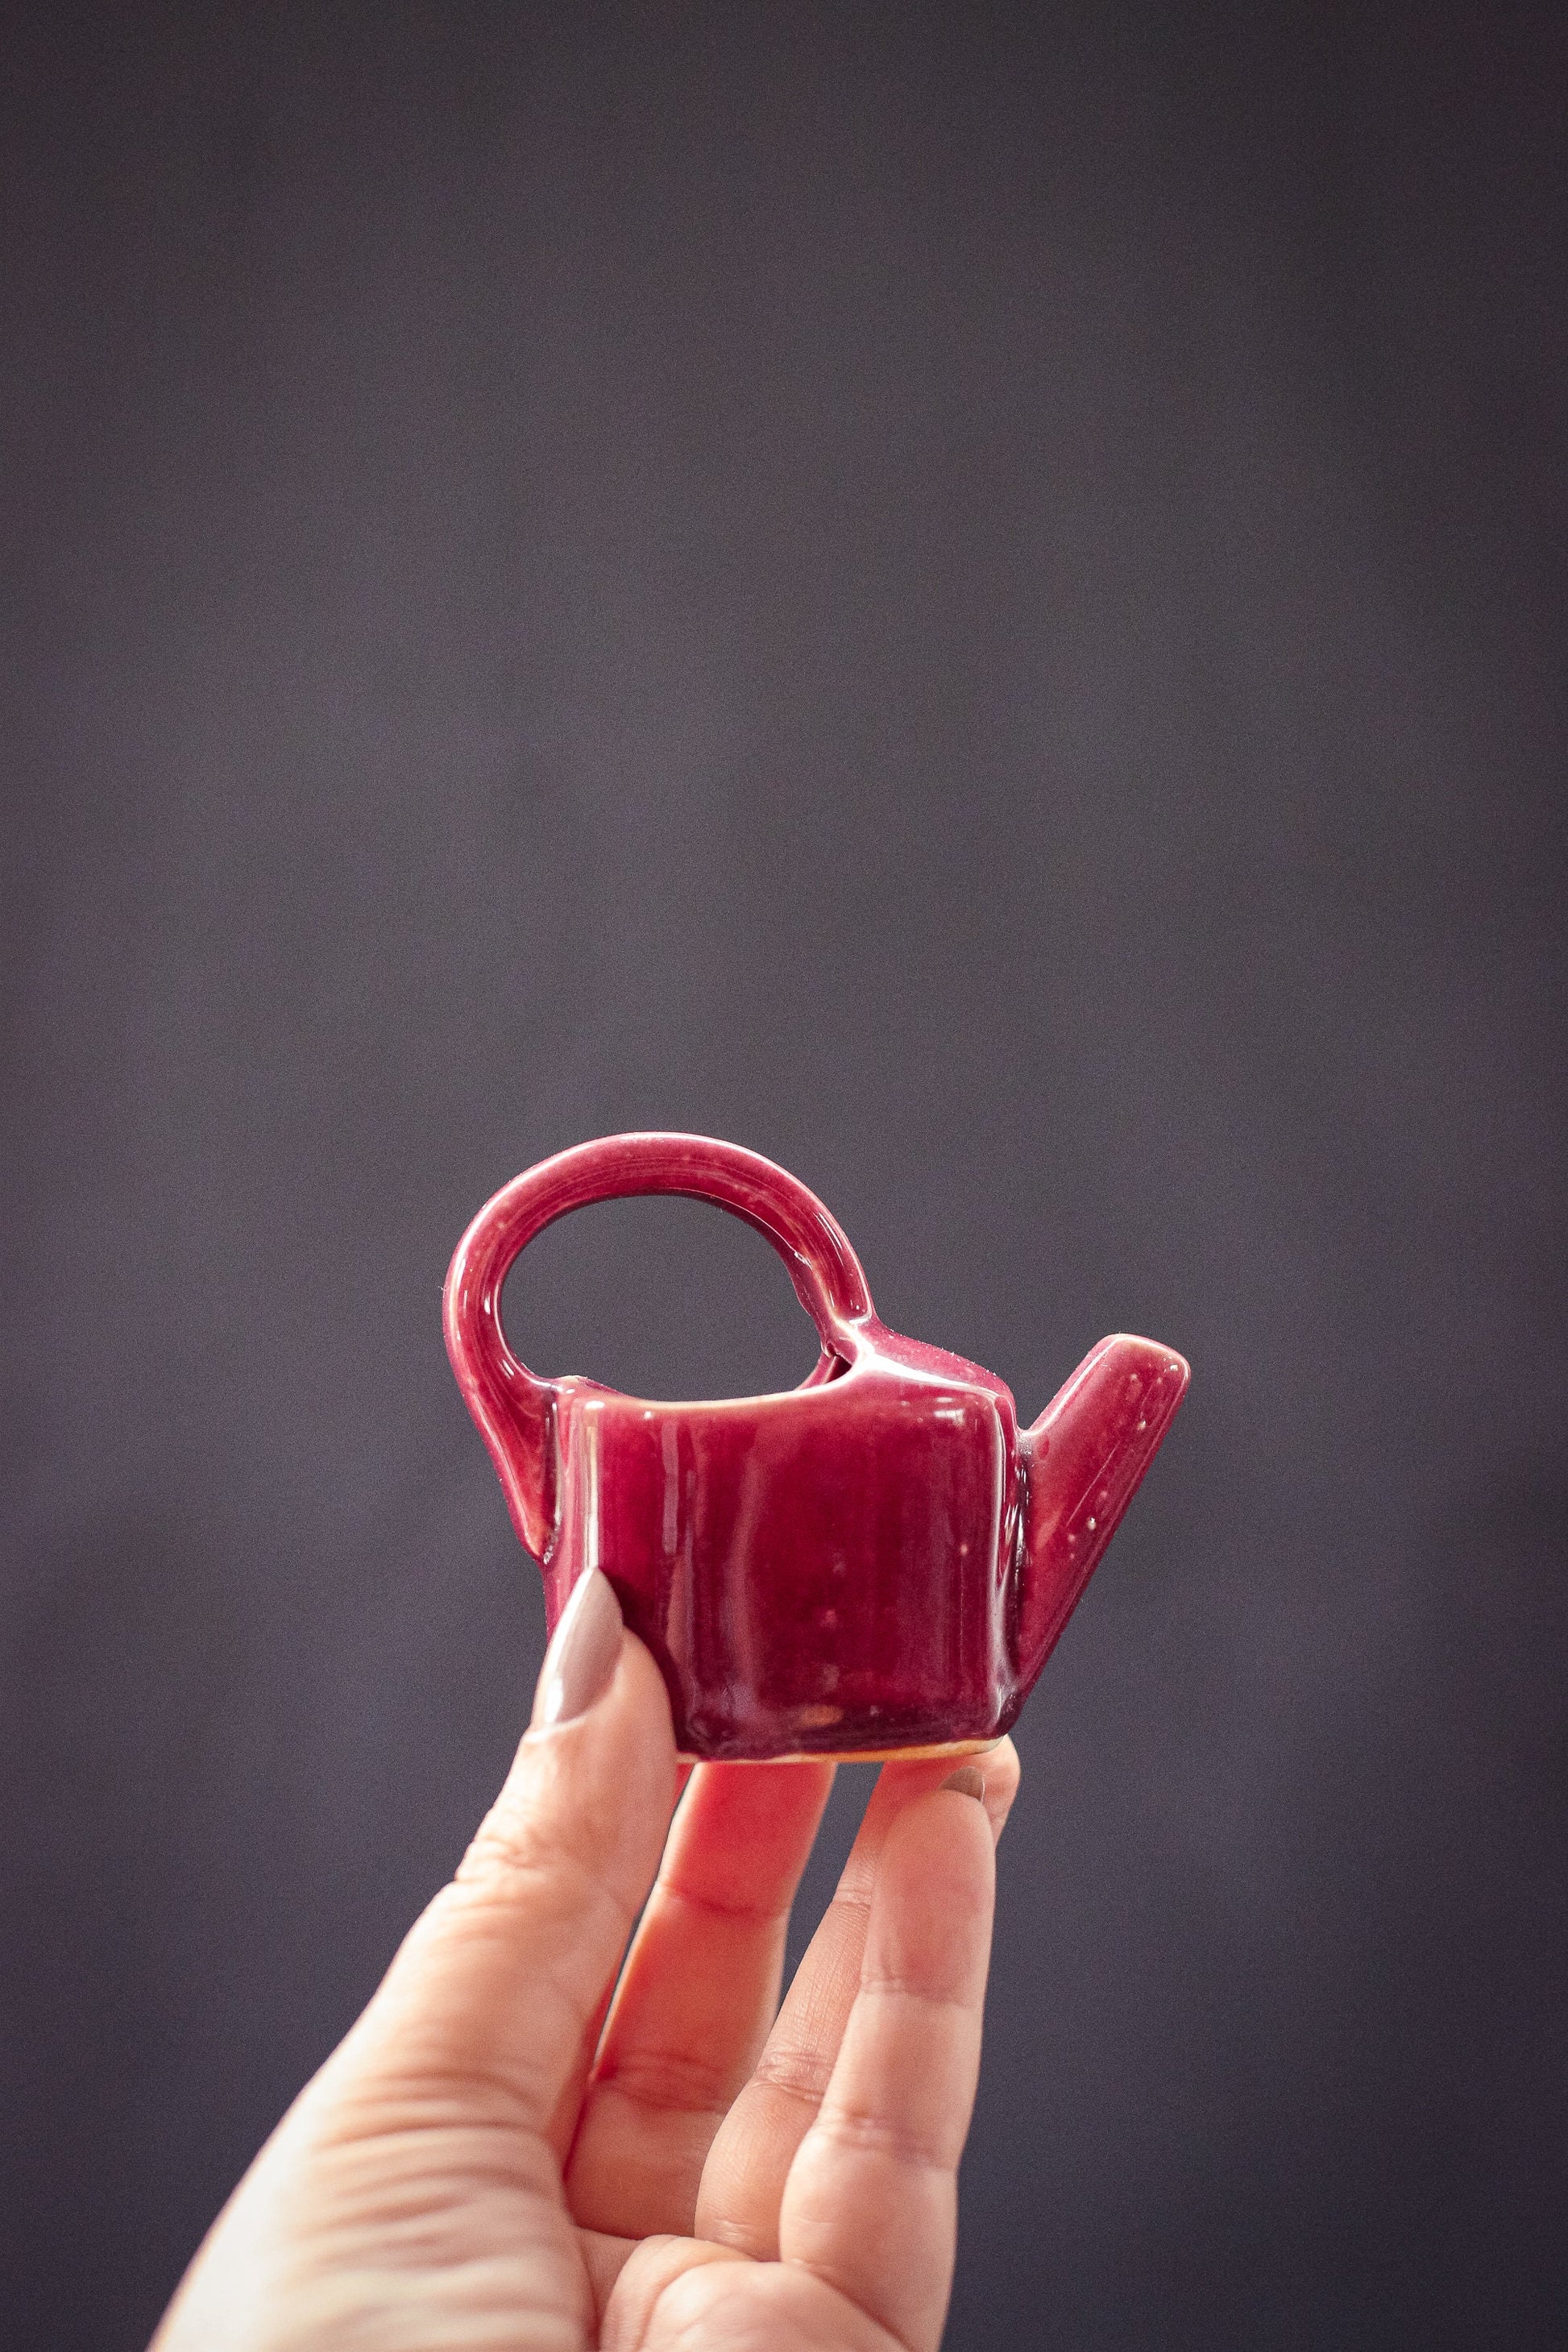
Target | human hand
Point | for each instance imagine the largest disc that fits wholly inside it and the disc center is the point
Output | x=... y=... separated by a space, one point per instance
x=498 y=2158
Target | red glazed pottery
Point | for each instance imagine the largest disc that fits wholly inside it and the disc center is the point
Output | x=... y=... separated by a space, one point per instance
x=876 y=1562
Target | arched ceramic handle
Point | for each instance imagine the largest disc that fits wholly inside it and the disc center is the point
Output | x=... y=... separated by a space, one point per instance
x=513 y=1406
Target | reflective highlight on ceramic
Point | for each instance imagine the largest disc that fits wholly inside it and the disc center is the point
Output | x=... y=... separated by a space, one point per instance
x=878 y=1561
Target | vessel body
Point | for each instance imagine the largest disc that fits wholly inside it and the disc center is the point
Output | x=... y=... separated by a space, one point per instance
x=812 y=1573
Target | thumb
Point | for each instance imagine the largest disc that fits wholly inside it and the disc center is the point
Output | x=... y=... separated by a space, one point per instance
x=500 y=1981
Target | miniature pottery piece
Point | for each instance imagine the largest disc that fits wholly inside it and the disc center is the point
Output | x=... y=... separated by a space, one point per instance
x=878 y=1561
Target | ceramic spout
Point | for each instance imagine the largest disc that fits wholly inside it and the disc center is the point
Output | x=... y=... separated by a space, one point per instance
x=1082 y=1462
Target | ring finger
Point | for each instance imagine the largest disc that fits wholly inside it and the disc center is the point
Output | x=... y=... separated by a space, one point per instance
x=751 y=2152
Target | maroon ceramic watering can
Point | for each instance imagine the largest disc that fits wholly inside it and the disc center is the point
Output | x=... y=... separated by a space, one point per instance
x=876 y=1562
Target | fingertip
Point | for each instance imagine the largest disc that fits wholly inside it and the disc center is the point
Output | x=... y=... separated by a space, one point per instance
x=1002 y=1771
x=645 y=1686
x=584 y=1652
x=603 y=1770
x=901 y=1783
x=936 y=1873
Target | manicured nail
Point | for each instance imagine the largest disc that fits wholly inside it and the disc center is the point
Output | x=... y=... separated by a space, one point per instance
x=966 y=1782
x=581 y=1655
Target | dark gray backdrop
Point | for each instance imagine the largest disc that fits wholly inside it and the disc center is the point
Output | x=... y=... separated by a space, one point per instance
x=972 y=597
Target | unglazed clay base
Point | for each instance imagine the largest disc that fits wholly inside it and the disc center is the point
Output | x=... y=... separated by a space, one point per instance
x=865 y=1755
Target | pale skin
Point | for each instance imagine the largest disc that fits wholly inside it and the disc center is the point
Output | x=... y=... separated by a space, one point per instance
x=535 y=2140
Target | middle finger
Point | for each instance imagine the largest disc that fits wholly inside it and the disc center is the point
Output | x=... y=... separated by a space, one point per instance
x=696 y=1996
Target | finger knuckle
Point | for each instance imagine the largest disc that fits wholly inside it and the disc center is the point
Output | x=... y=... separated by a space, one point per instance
x=803 y=2074
x=863 y=2131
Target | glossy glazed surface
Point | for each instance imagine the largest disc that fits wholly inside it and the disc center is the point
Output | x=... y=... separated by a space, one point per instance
x=877 y=1560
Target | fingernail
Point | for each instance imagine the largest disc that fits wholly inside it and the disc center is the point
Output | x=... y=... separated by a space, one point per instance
x=966 y=1782
x=581 y=1655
